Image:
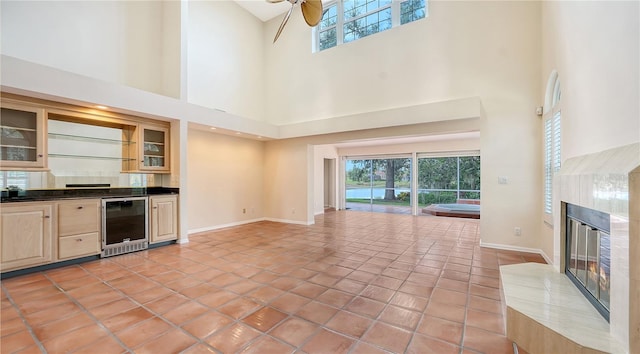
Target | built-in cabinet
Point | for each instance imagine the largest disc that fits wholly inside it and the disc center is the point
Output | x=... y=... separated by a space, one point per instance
x=22 y=137
x=78 y=228
x=163 y=218
x=25 y=235
x=154 y=148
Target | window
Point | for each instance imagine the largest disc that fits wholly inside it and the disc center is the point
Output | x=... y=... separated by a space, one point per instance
x=552 y=141
x=349 y=20
x=448 y=179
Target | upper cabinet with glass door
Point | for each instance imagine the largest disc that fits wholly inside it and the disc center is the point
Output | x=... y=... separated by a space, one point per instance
x=154 y=148
x=22 y=137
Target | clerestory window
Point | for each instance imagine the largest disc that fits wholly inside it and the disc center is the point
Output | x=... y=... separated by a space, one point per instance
x=345 y=21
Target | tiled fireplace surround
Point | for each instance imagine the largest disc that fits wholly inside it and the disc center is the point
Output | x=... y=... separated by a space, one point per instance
x=609 y=181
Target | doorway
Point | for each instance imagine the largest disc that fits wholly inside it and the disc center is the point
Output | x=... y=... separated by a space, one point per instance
x=329 y=184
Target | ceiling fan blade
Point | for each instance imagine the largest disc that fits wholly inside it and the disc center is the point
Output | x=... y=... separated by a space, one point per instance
x=312 y=11
x=284 y=22
x=274 y=1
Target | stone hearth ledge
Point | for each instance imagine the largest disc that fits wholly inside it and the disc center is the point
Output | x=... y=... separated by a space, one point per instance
x=546 y=313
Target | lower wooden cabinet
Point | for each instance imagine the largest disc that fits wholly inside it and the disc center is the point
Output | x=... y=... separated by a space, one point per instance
x=79 y=228
x=163 y=218
x=25 y=235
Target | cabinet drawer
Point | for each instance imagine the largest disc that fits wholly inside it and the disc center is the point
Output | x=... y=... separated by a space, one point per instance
x=78 y=217
x=78 y=245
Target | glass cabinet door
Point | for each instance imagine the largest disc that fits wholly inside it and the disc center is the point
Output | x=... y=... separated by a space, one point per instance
x=155 y=148
x=21 y=136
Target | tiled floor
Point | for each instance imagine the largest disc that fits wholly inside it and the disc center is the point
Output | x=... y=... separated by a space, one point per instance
x=352 y=283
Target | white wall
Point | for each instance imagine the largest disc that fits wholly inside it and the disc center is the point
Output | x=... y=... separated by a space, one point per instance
x=115 y=41
x=463 y=49
x=225 y=58
x=594 y=46
x=599 y=69
x=225 y=176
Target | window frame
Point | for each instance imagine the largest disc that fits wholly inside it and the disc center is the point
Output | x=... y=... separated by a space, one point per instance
x=552 y=144
x=340 y=21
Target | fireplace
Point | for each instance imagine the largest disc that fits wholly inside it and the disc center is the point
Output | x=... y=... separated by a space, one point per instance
x=588 y=258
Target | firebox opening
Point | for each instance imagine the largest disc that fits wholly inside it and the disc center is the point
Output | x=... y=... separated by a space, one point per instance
x=588 y=254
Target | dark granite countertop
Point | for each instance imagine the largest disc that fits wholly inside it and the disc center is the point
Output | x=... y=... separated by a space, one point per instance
x=32 y=195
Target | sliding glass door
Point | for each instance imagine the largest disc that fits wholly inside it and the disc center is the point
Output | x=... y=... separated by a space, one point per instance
x=448 y=180
x=378 y=184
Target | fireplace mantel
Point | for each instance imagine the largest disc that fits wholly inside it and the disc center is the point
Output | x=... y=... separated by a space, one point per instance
x=608 y=181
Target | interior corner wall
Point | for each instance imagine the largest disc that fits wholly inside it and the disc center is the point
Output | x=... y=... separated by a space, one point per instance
x=286 y=181
x=225 y=180
x=225 y=58
x=115 y=41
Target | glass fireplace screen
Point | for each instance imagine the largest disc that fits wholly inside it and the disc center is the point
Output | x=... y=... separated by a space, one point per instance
x=589 y=262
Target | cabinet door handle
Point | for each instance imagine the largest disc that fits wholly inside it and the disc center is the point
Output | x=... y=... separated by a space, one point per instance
x=79 y=240
x=80 y=207
x=40 y=155
x=46 y=216
x=155 y=207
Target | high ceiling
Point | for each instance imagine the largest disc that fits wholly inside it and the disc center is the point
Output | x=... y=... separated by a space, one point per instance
x=265 y=10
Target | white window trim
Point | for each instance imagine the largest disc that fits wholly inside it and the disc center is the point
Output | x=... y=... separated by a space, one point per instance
x=340 y=21
x=552 y=144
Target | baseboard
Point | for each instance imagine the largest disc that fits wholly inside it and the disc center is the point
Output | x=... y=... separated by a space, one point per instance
x=286 y=221
x=514 y=248
x=222 y=226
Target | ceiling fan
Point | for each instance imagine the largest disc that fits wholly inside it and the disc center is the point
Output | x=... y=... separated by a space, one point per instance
x=311 y=10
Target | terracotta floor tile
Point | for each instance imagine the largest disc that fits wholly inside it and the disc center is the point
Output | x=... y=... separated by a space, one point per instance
x=217 y=299
x=290 y=303
x=349 y=323
x=423 y=344
x=143 y=332
x=185 y=312
x=485 y=320
x=207 y=324
x=232 y=339
x=51 y=314
x=112 y=308
x=264 y=319
x=173 y=341
x=309 y=290
x=409 y=301
x=445 y=330
x=446 y=311
x=365 y=307
x=416 y=289
x=76 y=339
x=389 y=337
x=486 y=342
x=67 y=324
x=11 y=326
x=16 y=341
x=127 y=319
x=353 y=281
x=239 y=308
x=328 y=342
x=294 y=331
x=107 y=345
x=484 y=304
x=400 y=317
x=365 y=348
x=269 y=345
x=350 y=286
x=450 y=297
x=316 y=312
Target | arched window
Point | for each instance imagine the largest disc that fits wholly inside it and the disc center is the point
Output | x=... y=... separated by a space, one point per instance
x=552 y=140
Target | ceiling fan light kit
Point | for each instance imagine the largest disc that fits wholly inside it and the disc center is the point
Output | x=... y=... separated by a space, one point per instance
x=311 y=11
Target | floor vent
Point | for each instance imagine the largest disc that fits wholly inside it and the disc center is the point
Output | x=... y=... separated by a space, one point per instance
x=121 y=248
